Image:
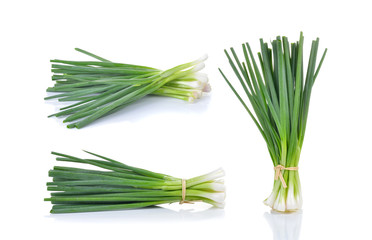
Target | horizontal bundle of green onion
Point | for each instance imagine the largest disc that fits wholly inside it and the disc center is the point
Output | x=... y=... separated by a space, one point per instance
x=280 y=97
x=117 y=186
x=99 y=88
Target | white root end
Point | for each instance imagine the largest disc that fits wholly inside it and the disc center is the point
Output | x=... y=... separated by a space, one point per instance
x=294 y=203
x=197 y=94
x=278 y=202
x=198 y=67
x=207 y=88
x=191 y=99
x=218 y=197
x=201 y=77
x=218 y=187
x=202 y=58
x=270 y=200
x=218 y=173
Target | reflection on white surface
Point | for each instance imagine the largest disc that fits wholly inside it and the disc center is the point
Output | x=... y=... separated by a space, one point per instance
x=154 y=214
x=285 y=226
x=155 y=105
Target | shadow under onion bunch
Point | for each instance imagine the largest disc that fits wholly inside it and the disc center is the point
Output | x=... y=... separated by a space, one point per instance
x=117 y=186
x=99 y=88
x=279 y=94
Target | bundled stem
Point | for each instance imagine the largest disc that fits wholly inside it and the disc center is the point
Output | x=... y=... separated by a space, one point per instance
x=99 y=88
x=118 y=186
x=279 y=95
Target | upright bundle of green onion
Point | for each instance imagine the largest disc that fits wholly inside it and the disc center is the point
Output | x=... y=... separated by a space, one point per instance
x=118 y=186
x=280 y=97
x=99 y=88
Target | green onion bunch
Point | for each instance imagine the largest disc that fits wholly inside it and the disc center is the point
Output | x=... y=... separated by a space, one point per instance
x=117 y=186
x=99 y=88
x=279 y=90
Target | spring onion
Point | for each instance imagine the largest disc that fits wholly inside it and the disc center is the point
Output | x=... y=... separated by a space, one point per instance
x=99 y=88
x=279 y=95
x=117 y=186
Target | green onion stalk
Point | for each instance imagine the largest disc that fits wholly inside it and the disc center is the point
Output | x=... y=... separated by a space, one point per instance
x=99 y=88
x=279 y=96
x=117 y=186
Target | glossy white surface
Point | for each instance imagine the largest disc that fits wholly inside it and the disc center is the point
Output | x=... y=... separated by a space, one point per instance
x=183 y=139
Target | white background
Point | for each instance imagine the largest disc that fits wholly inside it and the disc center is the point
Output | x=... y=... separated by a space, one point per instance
x=179 y=138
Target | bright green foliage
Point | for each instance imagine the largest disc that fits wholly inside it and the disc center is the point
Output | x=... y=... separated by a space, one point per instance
x=117 y=186
x=279 y=95
x=99 y=88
